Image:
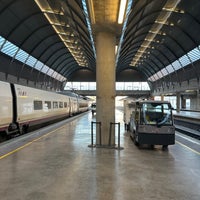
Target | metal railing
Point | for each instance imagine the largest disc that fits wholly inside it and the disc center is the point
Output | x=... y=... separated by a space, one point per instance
x=110 y=134
x=100 y=135
x=92 y=133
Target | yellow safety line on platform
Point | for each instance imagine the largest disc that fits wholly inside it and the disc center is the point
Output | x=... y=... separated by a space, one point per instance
x=188 y=147
x=29 y=143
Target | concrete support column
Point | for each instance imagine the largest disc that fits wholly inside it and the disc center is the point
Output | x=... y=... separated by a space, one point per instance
x=105 y=47
x=198 y=101
x=178 y=101
x=183 y=102
x=162 y=97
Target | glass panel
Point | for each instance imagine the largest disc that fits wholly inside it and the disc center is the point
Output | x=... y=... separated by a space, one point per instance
x=54 y=74
x=44 y=69
x=156 y=114
x=50 y=72
x=60 y=104
x=184 y=60
x=39 y=65
x=37 y=105
x=170 y=69
x=62 y=78
x=55 y=104
x=9 y=49
x=47 y=104
x=151 y=79
x=159 y=74
x=194 y=55
x=31 y=61
x=12 y=50
x=2 y=40
x=176 y=65
x=119 y=86
x=156 y=76
x=164 y=72
x=21 y=56
x=58 y=77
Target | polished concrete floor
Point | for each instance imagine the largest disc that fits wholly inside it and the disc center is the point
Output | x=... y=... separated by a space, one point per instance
x=59 y=165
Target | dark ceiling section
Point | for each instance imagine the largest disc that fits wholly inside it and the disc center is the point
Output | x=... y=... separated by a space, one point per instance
x=82 y=75
x=130 y=75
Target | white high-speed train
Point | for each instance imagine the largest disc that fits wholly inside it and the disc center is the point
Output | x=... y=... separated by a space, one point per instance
x=23 y=107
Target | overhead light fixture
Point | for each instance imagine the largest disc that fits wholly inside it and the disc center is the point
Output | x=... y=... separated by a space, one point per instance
x=122 y=9
x=164 y=23
x=53 y=12
x=174 y=10
x=116 y=48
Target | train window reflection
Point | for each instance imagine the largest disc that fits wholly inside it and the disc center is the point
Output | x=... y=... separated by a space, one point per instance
x=37 y=105
x=48 y=104
x=60 y=104
x=55 y=104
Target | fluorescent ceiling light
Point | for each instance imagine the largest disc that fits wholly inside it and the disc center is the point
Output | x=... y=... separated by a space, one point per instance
x=116 y=48
x=121 y=11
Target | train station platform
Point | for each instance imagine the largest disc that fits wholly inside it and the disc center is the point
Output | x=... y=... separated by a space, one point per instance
x=56 y=163
x=188 y=122
x=188 y=114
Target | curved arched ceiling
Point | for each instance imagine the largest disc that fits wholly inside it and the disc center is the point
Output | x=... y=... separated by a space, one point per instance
x=53 y=32
x=157 y=41
x=160 y=38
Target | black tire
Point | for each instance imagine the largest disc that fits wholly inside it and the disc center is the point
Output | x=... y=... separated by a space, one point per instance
x=125 y=126
x=24 y=129
x=165 y=147
x=135 y=142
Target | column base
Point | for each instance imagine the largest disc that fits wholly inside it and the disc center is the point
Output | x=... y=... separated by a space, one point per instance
x=106 y=146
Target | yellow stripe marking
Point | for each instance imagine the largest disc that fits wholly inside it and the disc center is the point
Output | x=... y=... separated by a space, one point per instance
x=188 y=147
x=29 y=143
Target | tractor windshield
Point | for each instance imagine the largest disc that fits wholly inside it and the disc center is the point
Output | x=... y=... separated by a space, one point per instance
x=156 y=114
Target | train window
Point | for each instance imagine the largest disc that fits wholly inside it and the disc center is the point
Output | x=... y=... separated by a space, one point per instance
x=37 y=105
x=65 y=104
x=55 y=104
x=60 y=104
x=48 y=104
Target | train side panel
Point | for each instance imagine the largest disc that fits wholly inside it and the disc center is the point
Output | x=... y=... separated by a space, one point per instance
x=6 y=108
x=22 y=107
x=83 y=105
x=36 y=106
x=73 y=105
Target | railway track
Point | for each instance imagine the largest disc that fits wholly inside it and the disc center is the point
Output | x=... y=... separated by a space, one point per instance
x=187 y=126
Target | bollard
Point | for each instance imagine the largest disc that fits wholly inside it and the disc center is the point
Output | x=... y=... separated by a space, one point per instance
x=109 y=142
x=92 y=133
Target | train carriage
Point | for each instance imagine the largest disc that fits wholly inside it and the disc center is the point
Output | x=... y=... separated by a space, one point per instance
x=36 y=106
x=22 y=107
x=6 y=108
